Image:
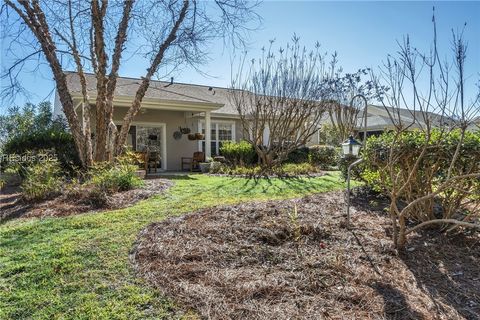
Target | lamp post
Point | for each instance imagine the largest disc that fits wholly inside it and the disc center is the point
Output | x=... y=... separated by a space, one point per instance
x=350 y=147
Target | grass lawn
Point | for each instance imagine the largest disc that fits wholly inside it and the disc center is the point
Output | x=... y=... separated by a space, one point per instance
x=77 y=267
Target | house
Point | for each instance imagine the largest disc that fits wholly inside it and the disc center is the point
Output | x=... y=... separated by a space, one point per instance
x=475 y=125
x=379 y=119
x=167 y=107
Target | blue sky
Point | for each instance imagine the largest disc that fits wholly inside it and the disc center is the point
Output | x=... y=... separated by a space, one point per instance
x=362 y=33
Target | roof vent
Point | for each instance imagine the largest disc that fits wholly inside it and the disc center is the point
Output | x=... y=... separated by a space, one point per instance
x=171 y=80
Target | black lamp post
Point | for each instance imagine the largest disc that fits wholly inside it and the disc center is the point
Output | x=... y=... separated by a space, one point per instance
x=350 y=147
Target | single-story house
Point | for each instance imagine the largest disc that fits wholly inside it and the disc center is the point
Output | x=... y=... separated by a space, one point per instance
x=167 y=107
x=475 y=125
x=379 y=119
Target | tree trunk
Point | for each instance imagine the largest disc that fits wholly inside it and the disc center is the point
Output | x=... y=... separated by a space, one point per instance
x=136 y=104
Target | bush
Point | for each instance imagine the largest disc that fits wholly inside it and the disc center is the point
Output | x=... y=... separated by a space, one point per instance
x=344 y=162
x=295 y=169
x=329 y=135
x=108 y=178
x=323 y=156
x=238 y=153
x=431 y=171
x=42 y=181
x=299 y=155
x=57 y=140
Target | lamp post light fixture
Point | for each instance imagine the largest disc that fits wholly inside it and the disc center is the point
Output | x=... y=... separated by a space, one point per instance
x=351 y=148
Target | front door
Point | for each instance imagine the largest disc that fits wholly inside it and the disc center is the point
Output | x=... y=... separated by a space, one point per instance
x=152 y=138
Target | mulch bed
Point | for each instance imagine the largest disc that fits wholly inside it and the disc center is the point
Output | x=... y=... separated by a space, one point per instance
x=255 y=261
x=12 y=205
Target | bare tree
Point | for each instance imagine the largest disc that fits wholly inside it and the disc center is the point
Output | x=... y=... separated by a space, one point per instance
x=93 y=36
x=432 y=93
x=348 y=96
x=281 y=95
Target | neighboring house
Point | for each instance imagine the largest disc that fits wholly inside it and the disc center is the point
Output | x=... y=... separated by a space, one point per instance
x=379 y=119
x=475 y=125
x=166 y=107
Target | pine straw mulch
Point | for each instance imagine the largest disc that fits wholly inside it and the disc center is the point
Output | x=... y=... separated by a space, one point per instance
x=12 y=206
x=243 y=262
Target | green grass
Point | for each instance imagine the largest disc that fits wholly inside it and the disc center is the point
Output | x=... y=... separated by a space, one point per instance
x=77 y=267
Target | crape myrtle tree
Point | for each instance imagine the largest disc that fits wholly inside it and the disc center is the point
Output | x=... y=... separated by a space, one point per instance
x=280 y=93
x=287 y=93
x=95 y=36
x=432 y=157
x=348 y=94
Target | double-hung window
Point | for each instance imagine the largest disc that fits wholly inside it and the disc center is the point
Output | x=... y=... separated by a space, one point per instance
x=220 y=131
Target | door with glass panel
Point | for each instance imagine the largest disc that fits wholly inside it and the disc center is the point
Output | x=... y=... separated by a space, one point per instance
x=149 y=139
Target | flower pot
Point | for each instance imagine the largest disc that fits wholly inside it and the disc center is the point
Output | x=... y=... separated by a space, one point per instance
x=199 y=136
x=192 y=136
x=204 y=167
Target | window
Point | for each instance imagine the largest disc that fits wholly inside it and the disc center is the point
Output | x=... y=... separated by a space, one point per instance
x=220 y=131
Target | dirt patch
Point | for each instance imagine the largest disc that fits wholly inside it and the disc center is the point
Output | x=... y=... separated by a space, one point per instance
x=257 y=261
x=12 y=206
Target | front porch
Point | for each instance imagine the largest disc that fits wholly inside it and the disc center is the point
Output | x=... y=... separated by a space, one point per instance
x=157 y=128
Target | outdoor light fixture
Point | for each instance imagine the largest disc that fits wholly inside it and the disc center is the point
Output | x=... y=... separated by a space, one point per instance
x=351 y=147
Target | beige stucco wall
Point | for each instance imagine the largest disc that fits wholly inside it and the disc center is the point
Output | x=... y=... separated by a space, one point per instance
x=176 y=149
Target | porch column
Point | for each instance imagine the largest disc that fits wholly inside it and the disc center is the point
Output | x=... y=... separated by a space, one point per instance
x=208 y=135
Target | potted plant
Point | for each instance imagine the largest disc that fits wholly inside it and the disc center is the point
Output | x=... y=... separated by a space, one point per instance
x=205 y=166
x=199 y=136
x=192 y=136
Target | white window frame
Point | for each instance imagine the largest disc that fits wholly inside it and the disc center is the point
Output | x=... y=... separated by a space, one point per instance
x=214 y=125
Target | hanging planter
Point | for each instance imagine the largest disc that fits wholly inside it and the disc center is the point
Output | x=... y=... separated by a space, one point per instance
x=177 y=135
x=192 y=136
x=184 y=130
x=199 y=136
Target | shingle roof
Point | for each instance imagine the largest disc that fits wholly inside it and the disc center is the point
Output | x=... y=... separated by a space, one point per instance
x=163 y=90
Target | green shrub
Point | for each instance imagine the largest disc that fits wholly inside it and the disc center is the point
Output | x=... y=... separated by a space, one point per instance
x=110 y=178
x=42 y=181
x=238 y=153
x=432 y=168
x=299 y=155
x=217 y=167
x=344 y=162
x=323 y=156
x=295 y=169
x=56 y=140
